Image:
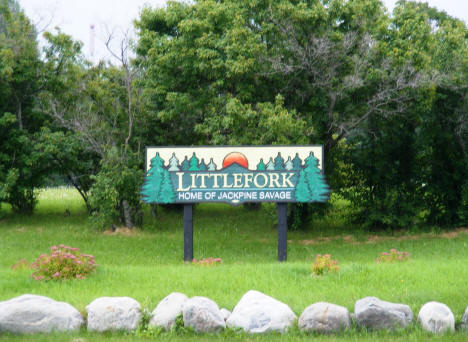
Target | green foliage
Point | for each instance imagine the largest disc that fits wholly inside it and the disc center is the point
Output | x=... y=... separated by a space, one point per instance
x=63 y=263
x=22 y=166
x=380 y=180
x=385 y=95
x=69 y=158
x=463 y=208
x=116 y=181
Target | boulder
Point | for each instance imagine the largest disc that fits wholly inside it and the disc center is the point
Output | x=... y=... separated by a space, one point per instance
x=37 y=314
x=464 y=321
x=168 y=309
x=436 y=318
x=113 y=313
x=225 y=313
x=324 y=318
x=259 y=313
x=376 y=314
x=203 y=315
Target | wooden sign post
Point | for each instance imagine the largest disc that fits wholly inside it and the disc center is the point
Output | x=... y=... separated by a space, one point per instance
x=234 y=175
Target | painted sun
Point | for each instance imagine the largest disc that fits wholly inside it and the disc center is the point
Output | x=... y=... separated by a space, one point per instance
x=235 y=157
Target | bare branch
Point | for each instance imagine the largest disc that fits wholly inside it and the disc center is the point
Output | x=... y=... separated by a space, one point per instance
x=348 y=71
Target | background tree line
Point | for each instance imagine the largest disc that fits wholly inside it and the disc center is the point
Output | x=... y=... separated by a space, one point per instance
x=385 y=94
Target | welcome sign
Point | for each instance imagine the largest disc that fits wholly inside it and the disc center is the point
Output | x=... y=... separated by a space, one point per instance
x=234 y=174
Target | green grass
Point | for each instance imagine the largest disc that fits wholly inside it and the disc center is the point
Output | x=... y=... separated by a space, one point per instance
x=148 y=265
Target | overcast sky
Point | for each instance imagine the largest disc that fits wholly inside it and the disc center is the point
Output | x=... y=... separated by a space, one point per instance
x=75 y=17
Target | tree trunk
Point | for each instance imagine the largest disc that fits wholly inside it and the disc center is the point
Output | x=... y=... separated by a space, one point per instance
x=153 y=210
x=20 y=116
x=127 y=212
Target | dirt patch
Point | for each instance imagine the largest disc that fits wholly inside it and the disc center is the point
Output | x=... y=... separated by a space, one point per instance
x=371 y=239
x=322 y=240
x=122 y=231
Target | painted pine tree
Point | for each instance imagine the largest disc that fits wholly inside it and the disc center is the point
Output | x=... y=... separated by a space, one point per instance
x=288 y=165
x=261 y=165
x=202 y=166
x=185 y=164
x=297 y=162
x=174 y=163
x=270 y=166
x=193 y=163
x=166 y=195
x=153 y=180
x=279 y=162
x=317 y=186
x=302 y=189
x=211 y=165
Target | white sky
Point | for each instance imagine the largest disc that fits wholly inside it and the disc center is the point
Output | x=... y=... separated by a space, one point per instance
x=75 y=17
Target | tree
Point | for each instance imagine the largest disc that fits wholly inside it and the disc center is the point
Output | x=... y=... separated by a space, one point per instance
x=202 y=166
x=23 y=167
x=174 y=163
x=185 y=164
x=211 y=165
x=167 y=194
x=319 y=190
x=68 y=157
x=339 y=73
x=279 y=162
x=270 y=166
x=202 y=76
x=153 y=180
x=302 y=193
x=261 y=165
x=102 y=106
x=405 y=170
x=288 y=165
x=297 y=162
x=193 y=163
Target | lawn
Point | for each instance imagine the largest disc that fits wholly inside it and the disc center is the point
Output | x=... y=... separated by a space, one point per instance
x=146 y=264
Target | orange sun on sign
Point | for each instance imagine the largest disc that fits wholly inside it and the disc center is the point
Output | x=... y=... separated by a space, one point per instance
x=235 y=157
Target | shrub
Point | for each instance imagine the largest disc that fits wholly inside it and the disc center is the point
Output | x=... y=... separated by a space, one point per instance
x=207 y=262
x=62 y=263
x=324 y=264
x=393 y=256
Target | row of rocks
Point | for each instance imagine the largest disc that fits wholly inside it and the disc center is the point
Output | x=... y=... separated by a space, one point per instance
x=255 y=313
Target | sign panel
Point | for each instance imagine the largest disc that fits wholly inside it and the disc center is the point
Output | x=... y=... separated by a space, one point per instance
x=234 y=174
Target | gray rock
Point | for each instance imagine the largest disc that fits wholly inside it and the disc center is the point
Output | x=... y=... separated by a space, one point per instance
x=203 y=315
x=225 y=313
x=324 y=318
x=436 y=318
x=37 y=314
x=113 y=313
x=373 y=313
x=464 y=321
x=259 y=313
x=166 y=312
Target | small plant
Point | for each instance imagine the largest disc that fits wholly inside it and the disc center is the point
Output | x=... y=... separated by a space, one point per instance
x=324 y=264
x=207 y=261
x=62 y=263
x=393 y=256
